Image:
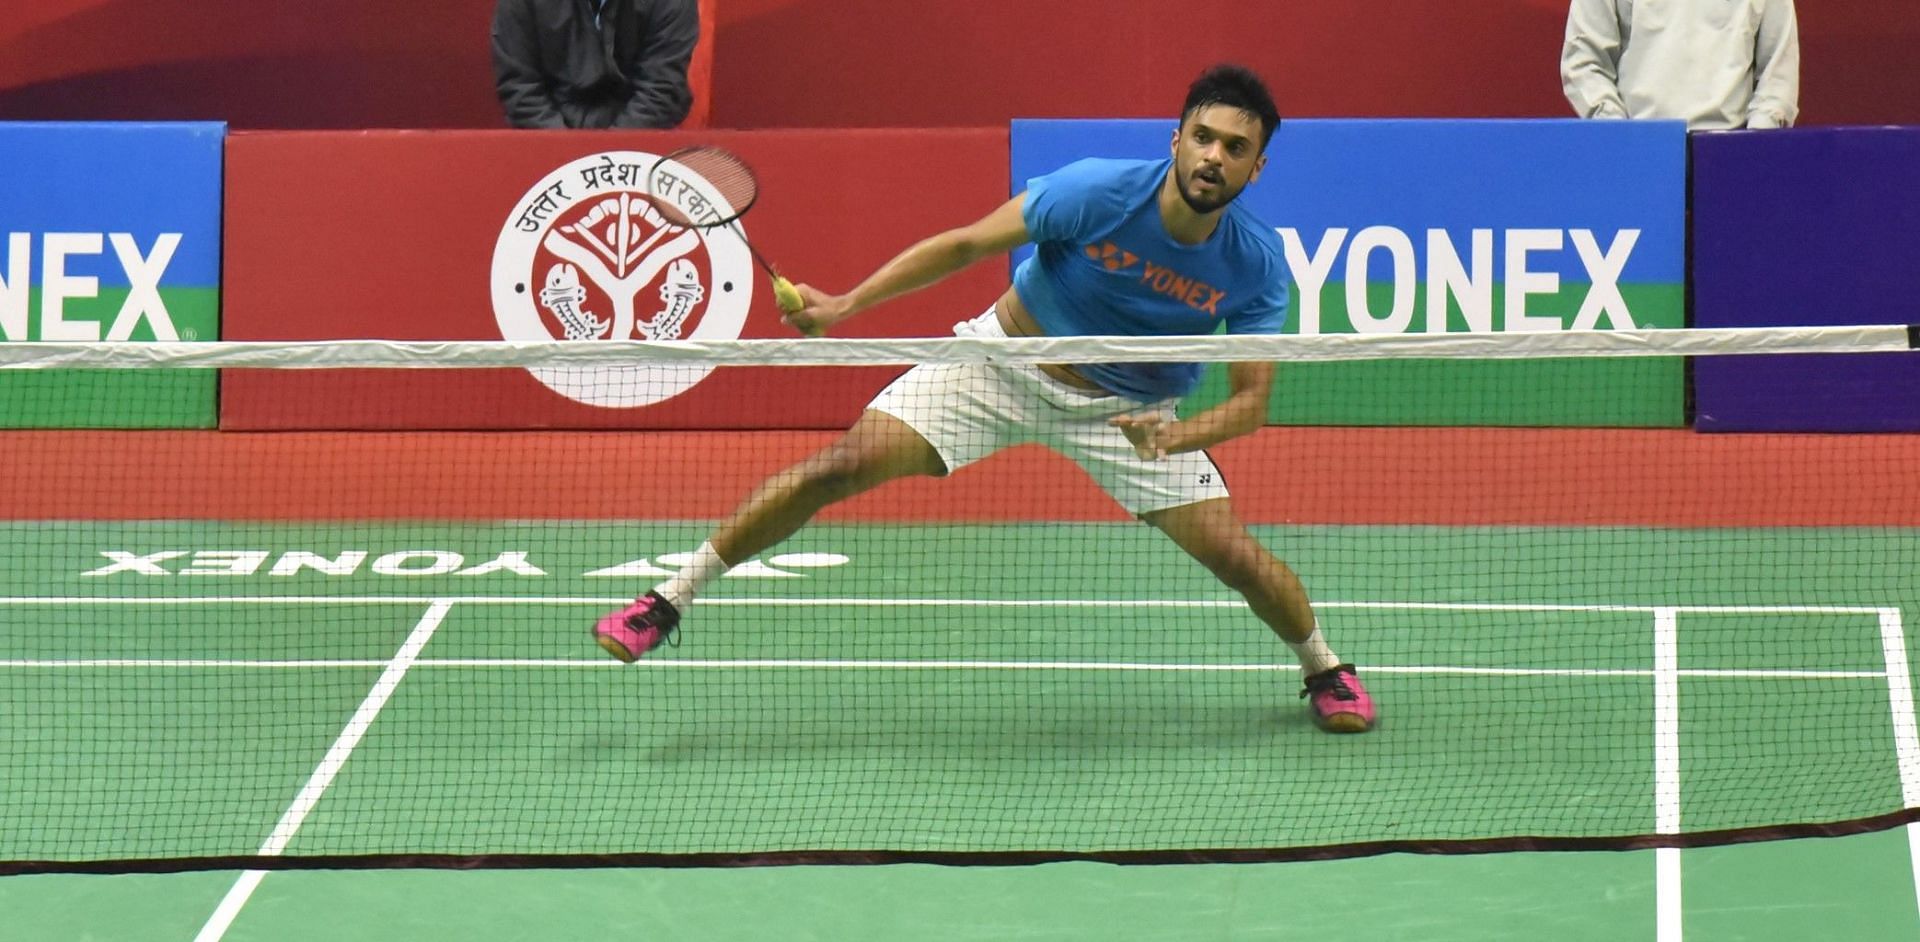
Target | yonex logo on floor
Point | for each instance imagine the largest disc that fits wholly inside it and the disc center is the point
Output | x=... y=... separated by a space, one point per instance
x=417 y=562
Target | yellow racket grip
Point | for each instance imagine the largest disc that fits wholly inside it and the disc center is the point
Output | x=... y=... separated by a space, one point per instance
x=784 y=295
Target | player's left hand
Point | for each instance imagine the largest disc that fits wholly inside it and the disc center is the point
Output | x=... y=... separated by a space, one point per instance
x=1148 y=434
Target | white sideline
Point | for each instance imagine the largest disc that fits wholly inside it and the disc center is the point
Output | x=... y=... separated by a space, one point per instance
x=832 y=664
x=1666 y=771
x=934 y=603
x=330 y=766
x=1906 y=735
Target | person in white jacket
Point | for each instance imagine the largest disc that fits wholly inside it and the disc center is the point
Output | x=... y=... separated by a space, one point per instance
x=1715 y=64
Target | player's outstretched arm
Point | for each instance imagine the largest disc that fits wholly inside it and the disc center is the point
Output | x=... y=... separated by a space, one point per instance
x=1249 y=387
x=922 y=264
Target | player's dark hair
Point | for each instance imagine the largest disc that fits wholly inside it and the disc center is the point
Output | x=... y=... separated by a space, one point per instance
x=1235 y=87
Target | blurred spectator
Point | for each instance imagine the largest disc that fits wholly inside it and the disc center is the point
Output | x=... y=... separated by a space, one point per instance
x=1712 y=63
x=594 y=63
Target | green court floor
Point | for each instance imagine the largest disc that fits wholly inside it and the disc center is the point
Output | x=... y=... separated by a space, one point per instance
x=183 y=689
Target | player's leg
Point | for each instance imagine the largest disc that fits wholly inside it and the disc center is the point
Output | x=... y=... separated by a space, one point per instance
x=877 y=449
x=1213 y=534
x=930 y=420
x=1210 y=532
x=1185 y=497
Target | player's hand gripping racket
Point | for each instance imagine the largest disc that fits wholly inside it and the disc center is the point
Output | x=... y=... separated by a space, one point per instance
x=735 y=182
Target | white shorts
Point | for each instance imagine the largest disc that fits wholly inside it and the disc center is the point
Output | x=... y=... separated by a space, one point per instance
x=968 y=411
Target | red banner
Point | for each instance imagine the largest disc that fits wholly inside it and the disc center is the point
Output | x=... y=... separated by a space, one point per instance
x=534 y=235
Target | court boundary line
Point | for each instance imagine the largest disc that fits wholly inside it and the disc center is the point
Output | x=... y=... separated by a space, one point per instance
x=330 y=765
x=1668 y=910
x=834 y=664
x=926 y=665
x=942 y=603
x=1906 y=733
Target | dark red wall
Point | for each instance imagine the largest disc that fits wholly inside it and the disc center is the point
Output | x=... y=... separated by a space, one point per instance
x=983 y=61
x=877 y=63
x=283 y=64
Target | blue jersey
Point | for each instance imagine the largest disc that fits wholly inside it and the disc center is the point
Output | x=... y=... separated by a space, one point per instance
x=1105 y=265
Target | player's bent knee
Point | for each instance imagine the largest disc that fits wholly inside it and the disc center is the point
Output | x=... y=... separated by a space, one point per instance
x=835 y=475
x=846 y=469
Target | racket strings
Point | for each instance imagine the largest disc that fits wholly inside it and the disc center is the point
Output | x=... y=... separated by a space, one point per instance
x=727 y=174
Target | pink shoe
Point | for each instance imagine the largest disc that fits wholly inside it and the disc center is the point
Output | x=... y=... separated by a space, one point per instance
x=638 y=628
x=1340 y=704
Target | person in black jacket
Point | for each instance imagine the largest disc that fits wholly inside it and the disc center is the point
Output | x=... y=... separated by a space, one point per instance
x=594 y=63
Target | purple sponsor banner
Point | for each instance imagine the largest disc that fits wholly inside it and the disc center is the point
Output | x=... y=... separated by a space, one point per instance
x=1807 y=227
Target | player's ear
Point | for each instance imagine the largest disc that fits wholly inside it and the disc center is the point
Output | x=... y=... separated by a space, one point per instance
x=1173 y=146
x=1259 y=164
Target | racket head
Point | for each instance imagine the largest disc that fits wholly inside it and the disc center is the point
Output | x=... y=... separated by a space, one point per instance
x=723 y=170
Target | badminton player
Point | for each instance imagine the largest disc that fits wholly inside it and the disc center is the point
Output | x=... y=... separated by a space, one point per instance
x=1123 y=247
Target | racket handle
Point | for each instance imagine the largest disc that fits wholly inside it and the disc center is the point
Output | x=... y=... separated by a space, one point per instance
x=785 y=296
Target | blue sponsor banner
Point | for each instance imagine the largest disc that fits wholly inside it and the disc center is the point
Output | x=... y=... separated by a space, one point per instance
x=109 y=231
x=1412 y=226
x=140 y=179
x=1807 y=227
x=1603 y=177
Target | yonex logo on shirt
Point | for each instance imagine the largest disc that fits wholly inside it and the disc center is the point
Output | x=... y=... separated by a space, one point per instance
x=1192 y=292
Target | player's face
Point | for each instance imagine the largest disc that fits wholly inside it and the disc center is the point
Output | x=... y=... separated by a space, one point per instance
x=1216 y=153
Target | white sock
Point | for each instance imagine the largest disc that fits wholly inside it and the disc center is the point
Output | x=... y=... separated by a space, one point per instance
x=705 y=566
x=1314 y=654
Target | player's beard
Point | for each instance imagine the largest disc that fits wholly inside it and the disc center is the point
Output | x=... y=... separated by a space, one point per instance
x=1184 y=181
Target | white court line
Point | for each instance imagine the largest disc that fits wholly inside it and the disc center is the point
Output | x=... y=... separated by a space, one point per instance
x=1906 y=735
x=937 y=603
x=330 y=766
x=1666 y=771
x=834 y=664
x=176 y=662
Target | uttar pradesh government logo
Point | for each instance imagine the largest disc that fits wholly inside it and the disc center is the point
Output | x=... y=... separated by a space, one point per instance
x=586 y=255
